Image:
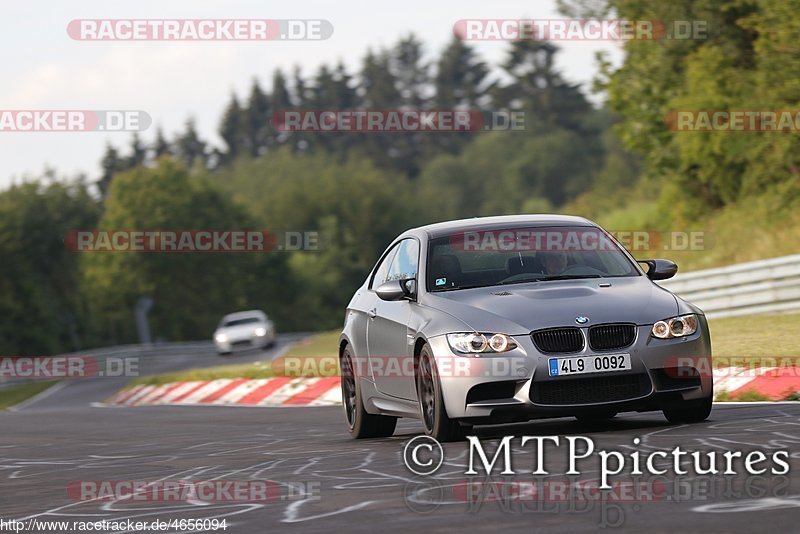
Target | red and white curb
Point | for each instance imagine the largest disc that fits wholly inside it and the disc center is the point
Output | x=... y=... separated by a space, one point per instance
x=282 y=391
x=775 y=383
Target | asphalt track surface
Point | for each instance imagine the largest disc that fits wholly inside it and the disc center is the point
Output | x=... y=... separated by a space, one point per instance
x=80 y=392
x=330 y=483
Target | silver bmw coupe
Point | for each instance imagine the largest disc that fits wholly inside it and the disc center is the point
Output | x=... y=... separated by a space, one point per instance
x=505 y=319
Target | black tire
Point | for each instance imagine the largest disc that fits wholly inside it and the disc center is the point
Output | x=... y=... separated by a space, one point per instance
x=594 y=417
x=694 y=412
x=433 y=413
x=224 y=353
x=360 y=423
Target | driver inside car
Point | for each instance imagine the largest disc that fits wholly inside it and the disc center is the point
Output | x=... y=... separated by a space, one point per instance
x=554 y=262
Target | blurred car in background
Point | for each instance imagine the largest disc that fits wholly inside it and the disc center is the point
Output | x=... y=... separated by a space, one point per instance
x=244 y=330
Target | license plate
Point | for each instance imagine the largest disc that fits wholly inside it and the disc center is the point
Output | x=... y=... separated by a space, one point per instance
x=580 y=365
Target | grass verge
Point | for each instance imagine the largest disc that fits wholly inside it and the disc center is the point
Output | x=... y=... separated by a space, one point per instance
x=756 y=337
x=314 y=356
x=756 y=228
x=749 y=395
x=238 y=370
x=16 y=394
x=755 y=341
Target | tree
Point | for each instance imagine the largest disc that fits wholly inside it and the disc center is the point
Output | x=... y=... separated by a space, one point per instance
x=746 y=61
x=160 y=146
x=189 y=147
x=345 y=94
x=537 y=88
x=191 y=290
x=138 y=154
x=331 y=91
x=281 y=102
x=43 y=309
x=461 y=77
x=500 y=172
x=412 y=75
x=378 y=87
x=111 y=164
x=379 y=92
x=257 y=120
x=303 y=101
x=230 y=130
x=460 y=83
x=281 y=98
x=356 y=208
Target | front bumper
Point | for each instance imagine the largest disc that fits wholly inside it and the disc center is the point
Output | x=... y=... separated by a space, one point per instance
x=233 y=345
x=516 y=385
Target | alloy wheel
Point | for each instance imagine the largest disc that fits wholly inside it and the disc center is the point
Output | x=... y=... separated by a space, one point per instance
x=348 y=388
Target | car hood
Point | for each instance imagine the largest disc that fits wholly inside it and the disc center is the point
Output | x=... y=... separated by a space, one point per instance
x=519 y=309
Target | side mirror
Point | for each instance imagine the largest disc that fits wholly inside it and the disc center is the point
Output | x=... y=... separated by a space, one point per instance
x=396 y=289
x=660 y=269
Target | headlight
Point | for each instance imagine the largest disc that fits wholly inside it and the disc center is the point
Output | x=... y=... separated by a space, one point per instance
x=685 y=325
x=260 y=331
x=221 y=338
x=475 y=343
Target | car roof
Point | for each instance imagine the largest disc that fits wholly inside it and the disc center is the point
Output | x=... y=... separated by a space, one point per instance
x=499 y=222
x=244 y=314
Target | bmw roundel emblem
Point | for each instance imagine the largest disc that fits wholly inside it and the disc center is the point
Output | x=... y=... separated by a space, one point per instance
x=581 y=319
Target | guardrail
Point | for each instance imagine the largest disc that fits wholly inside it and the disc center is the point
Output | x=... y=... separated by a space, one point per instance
x=120 y=351
x=757 y=287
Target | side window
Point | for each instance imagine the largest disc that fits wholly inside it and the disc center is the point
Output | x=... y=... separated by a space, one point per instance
x=382 y=272
x=405 y=261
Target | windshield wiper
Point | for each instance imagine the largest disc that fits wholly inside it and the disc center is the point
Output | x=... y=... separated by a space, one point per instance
x=525 y=281
x=442 y=290
x=540 y=279
x=568 y=277
x=552 y=277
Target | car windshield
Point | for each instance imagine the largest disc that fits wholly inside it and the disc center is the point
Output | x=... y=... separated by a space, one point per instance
x=241 y=321
x=479 y=258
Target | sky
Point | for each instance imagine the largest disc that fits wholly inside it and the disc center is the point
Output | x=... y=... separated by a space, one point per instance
x=43 y=68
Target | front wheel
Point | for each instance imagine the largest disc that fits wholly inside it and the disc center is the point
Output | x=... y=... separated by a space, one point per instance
x=431 y=402
x=360 y=423
x=694 y=412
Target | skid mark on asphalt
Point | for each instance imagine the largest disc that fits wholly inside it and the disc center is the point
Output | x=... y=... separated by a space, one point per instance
x=766 y=433
x=281 y=460
x=355 y=476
